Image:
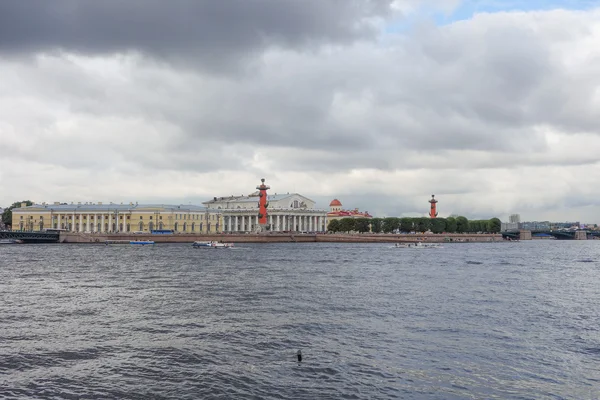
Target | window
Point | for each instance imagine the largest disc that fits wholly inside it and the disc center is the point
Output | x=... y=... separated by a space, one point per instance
x=151 y=226
x=160 y=217
x=176 y=224
x=193 y=226
x=160 y=226
x=140 y=217
x=151 y=218
x=184 y=227
x=141 y=226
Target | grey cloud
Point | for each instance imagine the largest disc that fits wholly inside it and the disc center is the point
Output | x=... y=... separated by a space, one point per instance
x=213 y=32
x=487 y=95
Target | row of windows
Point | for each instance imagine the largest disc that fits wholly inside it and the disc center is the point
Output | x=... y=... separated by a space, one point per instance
x=196 y=217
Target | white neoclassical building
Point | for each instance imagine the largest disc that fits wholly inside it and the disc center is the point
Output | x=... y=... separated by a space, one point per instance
x=285 y=212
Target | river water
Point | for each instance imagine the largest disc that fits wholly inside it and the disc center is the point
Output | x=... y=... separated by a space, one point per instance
x=498 y=320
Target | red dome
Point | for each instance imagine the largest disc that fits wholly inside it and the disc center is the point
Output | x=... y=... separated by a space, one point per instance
x=335 y=202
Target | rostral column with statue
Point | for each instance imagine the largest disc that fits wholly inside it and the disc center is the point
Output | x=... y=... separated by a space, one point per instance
x=263 y=204
x=433 y=212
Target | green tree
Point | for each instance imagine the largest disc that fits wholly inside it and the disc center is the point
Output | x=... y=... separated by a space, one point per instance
x=422 y=224
x=7 y=214
x=376 y=225
x=390 y=224
x=361 y=225
x=334 y=225
x=462 y=224
x=438 y=225
x=495 y=225
x=477 y=226
x=347 y=224
x=406 y=224
x=451 y=225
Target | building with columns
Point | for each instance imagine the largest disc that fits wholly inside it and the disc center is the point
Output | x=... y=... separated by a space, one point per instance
x=106 y=218
x=234 y=214
x=285 y=213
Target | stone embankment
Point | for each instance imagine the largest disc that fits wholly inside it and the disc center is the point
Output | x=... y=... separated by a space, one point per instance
x=71 y=237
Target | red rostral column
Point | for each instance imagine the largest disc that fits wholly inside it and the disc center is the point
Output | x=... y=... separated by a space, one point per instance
x=433 y=213
x=262 y=203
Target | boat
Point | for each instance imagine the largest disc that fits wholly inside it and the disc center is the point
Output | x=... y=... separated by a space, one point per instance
x=134 y=242
x=418 y=245
x=10 y=241
x=213 y=244
x=141 y=242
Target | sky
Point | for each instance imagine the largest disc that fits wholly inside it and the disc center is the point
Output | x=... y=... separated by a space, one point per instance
x=491 y=105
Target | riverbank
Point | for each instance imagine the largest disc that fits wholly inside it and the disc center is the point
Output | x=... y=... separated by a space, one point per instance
x=73 y=237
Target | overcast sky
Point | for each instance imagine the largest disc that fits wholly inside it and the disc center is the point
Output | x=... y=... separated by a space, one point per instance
x=493 y=106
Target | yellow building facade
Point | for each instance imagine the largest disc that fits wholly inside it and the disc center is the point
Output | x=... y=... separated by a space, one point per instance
x=113 y=218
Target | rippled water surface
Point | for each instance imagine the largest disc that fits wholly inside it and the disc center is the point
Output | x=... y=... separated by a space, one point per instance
x=504 y=320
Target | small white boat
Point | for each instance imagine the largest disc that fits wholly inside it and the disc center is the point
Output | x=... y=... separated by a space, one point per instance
x=418 y=245
x=213 y=244
x=10 y=241
x=134 y=242
x=141 y=242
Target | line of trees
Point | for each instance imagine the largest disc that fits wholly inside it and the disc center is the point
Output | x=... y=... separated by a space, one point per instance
x=423 y=224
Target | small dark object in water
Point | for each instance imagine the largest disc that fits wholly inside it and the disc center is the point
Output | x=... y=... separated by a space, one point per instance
x=299 y=354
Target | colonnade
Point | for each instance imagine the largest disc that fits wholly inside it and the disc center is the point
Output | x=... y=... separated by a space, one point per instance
x=278 y=222
x=94 y=222
x=118 y=222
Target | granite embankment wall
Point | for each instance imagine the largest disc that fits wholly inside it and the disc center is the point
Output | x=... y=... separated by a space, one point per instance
x=281 y=238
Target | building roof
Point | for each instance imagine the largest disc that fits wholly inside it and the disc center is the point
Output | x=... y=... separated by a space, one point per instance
x=253 y=198
x=110 y=207
x=349 y=213
x=335 y=203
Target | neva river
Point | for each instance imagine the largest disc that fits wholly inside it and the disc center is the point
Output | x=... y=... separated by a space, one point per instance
x=467 y=321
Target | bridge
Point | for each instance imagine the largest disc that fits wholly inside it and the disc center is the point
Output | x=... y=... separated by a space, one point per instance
x=31 y=237
x=560 y=235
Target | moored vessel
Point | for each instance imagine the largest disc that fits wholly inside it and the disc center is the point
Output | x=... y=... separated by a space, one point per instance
x=10 y=241
x=212 y=244
x=132 y=242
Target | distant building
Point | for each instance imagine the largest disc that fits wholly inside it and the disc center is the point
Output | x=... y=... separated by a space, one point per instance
x=285 y=212
x=536 y=225
x=509 y=226
x=514 y=219
x=565 y=225
x=104 y=218
x=336 y=212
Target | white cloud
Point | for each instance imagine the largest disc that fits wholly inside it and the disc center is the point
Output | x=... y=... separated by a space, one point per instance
x=495 y=115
